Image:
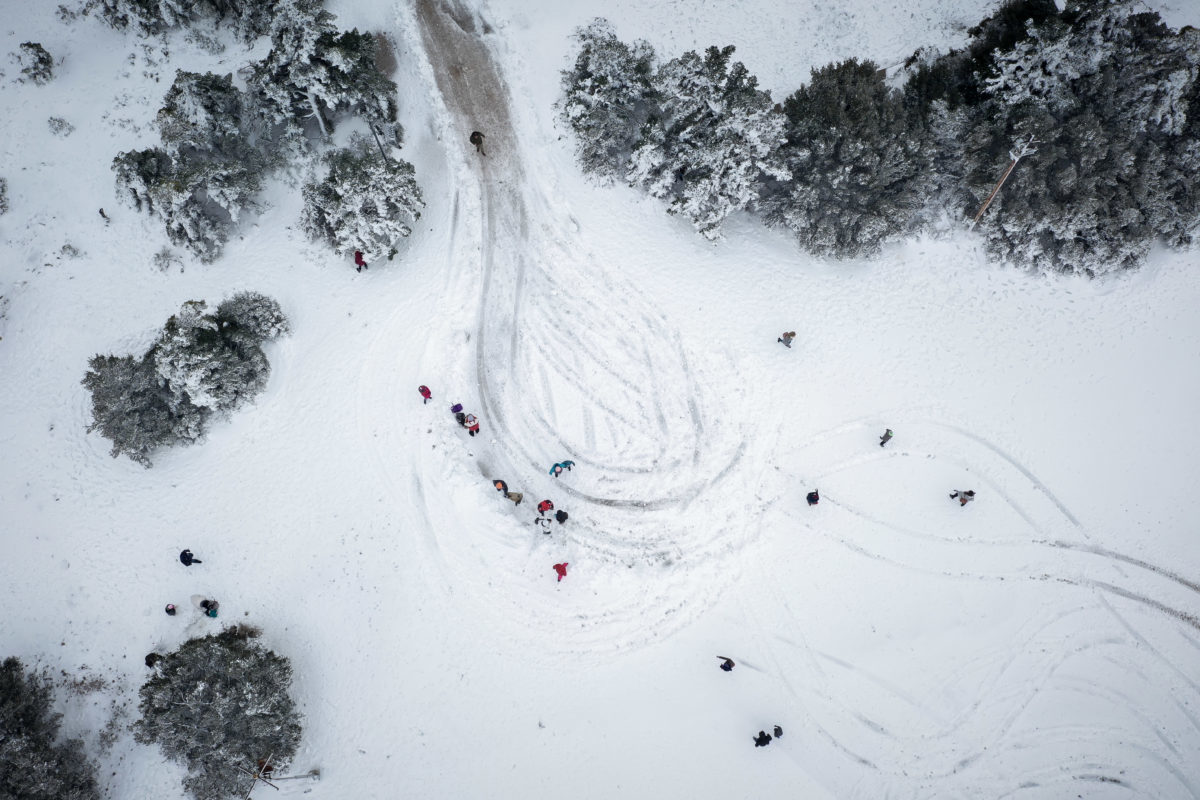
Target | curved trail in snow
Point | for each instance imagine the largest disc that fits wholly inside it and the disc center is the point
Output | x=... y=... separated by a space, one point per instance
x=546 y=347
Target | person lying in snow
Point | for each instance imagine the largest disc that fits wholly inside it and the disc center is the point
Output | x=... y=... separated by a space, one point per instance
x=963 y=497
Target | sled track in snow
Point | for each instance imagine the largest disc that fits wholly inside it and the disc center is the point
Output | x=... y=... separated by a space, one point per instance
x=542 y=349
x=965 y=754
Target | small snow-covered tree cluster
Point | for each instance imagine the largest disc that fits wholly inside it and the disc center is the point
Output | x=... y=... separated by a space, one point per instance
x=34 y=764
x=365 y=202
x=696 y=131
x=856 y=161
x=202 y=364
x=208 y=170
x=216 y=703
x=36 y=64
x=247 y=18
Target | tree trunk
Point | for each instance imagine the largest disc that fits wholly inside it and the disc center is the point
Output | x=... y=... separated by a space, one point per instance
x=312 y=101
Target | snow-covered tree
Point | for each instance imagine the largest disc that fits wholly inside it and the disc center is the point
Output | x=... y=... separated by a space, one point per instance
x=1108 y=92
x=248 y=19
x=202 y=364
x=716 y=141
x=856 y=163
x=217 y=702
x=608 y=99
x=36 y=64
x=365 y=202
x=34 y=765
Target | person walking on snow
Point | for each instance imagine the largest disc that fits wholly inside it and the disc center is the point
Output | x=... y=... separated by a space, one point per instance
x=561 y=516
x=763 y=739
x=963 y=497
x=516 y=497
x=561 y=569
x=187 y=559
x=726 y=663
x=425 y=393
x=461 y=419
x=887 y=437
x=544 y=522
x=558 y=468
x=778 y=732
x=477 y=140
x=787 y=338
x=813 y=497
x=472 y=424
x=359 y=262
x=545 y=506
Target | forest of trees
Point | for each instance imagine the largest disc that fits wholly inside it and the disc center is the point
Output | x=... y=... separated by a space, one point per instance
x=1103 y=97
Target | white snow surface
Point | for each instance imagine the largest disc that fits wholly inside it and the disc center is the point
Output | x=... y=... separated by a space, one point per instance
x=1041 y=642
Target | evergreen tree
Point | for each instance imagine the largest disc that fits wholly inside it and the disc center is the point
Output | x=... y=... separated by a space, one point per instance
x=248 y=19
x=36 y=63
x=855 y=159
x=1106 y=90
x=33 y=765
x=255 y=315
x=131 y=410
x=364 y=203
x=716 y=142
x=216 y=702
x=608 y=99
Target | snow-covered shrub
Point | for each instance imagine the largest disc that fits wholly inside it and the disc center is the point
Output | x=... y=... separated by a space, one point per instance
x=855 y=161
x=202 y=364
x=364 y=203
x=33 y=764
x=60 y=127
x=36 y=64
x=216 y=703
x=255 y=314
x=608 y=97
x=715 y=142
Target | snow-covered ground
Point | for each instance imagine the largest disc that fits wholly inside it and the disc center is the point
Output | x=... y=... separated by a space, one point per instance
x=1041 y=642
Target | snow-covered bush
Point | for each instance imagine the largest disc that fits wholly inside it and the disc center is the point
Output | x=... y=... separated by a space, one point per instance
x=202 y=364
x=716 y=140
x=608 y=97
x=33 y=764
x=216 y=703
x=248 y=19
x=36 y=64
x=855 y=161
x=60 y=127
x=365 y=202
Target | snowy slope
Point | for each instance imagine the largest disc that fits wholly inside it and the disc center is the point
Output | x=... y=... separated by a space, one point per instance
x=1040 y=641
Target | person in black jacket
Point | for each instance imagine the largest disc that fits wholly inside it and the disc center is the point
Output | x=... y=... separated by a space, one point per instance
x=188 y=559
x=727 y=664
x=763 y=739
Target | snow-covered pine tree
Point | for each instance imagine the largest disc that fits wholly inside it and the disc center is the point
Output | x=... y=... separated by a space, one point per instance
x=34 y=765
x=717 y=140
x=36 y=64
x=248 y=19
x=1107 y=90
x=608 y=98
x=216 y=702
x=254 y=314
x=365 y=202
x=131 y=410
x=856 y=163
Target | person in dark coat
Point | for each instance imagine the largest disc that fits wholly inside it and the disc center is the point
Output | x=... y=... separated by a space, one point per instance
x=545 y=506
x=210 y=608
x=477 y=140
x=778 y=732
x=425 y=393
x=170 y=609
x=963 y=497
x=359 y=262
x=460 y=418
x=763 y=739
x=561 y=569
x=561 y=516
x=887 y=437
x=727 y=663
x=188 y=559
x=152 y=659
x=787 y=338
x=813 y=498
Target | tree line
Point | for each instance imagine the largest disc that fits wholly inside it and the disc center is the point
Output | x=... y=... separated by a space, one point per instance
x=1100 y=101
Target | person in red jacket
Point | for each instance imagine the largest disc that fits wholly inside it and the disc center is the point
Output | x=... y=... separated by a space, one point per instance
x=545 y=506
x=471 y=424
x=561 y=569
x=425 y=393
x=359 y=261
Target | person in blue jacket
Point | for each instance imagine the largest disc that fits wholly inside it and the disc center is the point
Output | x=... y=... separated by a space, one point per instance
x=558 y=468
